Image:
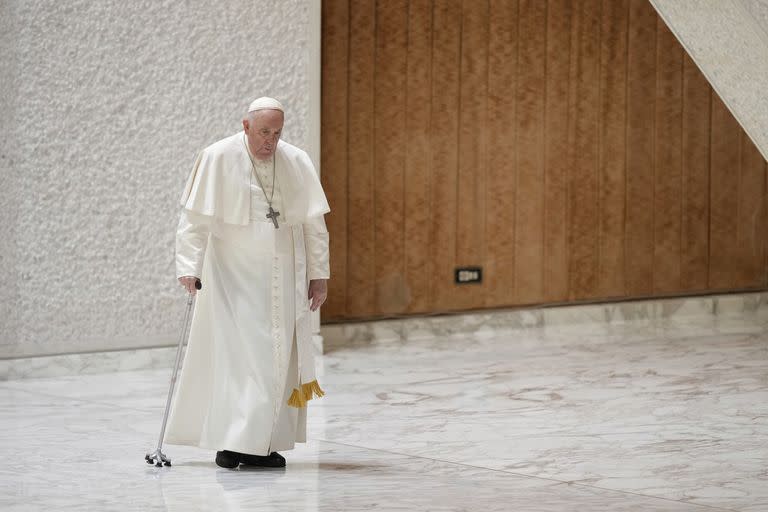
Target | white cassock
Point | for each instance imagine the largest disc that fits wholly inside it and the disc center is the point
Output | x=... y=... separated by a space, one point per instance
x=249 y=352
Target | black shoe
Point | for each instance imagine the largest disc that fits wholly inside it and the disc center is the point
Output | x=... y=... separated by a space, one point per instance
x=227 y=459
x=273 y=460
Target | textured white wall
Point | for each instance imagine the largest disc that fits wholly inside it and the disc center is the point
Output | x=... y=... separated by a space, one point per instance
x=104 y=105
x=728 y=40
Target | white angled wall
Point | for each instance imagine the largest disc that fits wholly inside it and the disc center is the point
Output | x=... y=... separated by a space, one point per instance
x=104 y=104
x=728 y=40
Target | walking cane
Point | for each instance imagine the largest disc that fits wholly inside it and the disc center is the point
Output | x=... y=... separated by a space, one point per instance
x=158 y=458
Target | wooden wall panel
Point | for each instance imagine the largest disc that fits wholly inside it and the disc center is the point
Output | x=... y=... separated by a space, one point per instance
x=694 y=264
x=334 y=143
x=470 y=222
x=529 y=204
x=667 y=161
x=360 y=182
x=613 y=145
x=569 y=147
x=502 y=162
x=557 y=150
x=418 y=238
x=583 y=214
x=389 y=154
x=725 y=176
x=641 y=100
x=446 y=63
x=751 y=217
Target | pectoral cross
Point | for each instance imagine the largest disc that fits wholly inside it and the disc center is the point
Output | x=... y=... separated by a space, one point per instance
x=273 y=215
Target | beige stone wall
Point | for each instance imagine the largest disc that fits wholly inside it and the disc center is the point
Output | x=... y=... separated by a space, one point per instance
x=728 y=40
x=104 y=105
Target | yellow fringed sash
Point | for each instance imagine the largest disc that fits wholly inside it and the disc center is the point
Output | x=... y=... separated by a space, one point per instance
x=310 y=390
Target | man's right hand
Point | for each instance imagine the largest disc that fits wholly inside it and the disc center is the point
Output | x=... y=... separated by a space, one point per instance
x=188 y=282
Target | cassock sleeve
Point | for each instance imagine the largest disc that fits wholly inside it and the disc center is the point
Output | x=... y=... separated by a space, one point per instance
x=316 y=240
x=191 y=241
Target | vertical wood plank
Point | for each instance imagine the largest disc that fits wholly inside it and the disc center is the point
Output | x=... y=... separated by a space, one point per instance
x=333 y=161
x=470 y=227
x=668 y=161
x=583 y=131
x=529 y=217
x=694 y=266
x=751 y=216
x=557 y=151
x=724 y=194
x=361 y=256
x=613 y=145
x=389 y=154
x=445 y=125
x=500 y=205
x=417 y=157
x=641 y=89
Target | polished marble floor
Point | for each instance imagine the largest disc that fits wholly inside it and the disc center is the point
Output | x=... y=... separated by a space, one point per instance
x=643 y=416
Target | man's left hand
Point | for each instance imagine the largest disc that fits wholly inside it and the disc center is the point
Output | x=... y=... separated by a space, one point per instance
x=318 y=292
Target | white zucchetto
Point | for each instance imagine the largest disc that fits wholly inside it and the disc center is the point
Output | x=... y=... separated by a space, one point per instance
x=265 y=103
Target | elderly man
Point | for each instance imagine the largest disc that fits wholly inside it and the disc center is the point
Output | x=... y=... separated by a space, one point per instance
x=252 y=230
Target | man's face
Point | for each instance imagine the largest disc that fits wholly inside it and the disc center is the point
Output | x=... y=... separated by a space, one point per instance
x=263 y=128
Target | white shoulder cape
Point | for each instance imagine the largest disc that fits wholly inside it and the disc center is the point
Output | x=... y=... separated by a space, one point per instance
x=218 y=186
